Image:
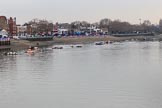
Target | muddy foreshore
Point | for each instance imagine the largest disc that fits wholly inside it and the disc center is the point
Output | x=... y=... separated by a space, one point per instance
x=86 y=40
x=24 y=44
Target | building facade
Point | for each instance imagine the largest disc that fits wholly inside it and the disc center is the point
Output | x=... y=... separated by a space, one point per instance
x=21 y=30
x=12 y=26
x=3 y=23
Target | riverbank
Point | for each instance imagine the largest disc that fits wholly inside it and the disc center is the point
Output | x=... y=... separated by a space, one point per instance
x=24 y=44
x=84 y=40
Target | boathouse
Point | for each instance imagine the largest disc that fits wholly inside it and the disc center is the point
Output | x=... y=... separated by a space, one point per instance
x=4 y=39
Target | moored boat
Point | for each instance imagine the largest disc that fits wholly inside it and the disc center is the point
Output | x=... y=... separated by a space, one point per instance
x=57 y=48
x=79 y=46
x=99 y=43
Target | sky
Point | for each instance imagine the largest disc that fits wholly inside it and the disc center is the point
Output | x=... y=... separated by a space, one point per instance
x=82 y=10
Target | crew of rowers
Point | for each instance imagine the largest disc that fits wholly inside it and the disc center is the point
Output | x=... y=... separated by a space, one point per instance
x=31 y=49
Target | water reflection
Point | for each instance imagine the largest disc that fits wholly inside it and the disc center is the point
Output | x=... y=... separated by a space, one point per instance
x=118 y=75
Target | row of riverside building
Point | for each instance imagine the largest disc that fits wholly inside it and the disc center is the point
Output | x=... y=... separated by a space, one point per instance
x=9 y=25
x=14 y=29
x=7 y=28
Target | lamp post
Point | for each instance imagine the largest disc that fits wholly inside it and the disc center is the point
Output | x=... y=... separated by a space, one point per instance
x=140 y=20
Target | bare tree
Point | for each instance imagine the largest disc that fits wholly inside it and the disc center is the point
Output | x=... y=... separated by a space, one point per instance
x=40 y=26
x=146 y=26
x=76 y=25
x=105 y=23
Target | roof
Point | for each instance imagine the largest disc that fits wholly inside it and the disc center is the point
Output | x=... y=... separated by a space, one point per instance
x=3 y=17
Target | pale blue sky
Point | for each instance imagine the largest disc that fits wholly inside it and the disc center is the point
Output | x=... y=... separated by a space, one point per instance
x=89 y=10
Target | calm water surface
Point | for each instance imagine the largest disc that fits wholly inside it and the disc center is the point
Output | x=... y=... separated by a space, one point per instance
x=120 y=75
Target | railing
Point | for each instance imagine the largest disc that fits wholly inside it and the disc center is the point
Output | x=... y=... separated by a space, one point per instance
x=37 y=38
x=4 y=41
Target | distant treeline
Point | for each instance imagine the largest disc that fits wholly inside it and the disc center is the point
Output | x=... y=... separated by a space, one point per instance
x=112 y=26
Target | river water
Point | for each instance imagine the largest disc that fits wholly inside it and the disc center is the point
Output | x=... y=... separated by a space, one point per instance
x=119 y=75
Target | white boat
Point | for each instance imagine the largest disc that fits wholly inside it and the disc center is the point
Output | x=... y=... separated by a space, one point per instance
x=10 y=53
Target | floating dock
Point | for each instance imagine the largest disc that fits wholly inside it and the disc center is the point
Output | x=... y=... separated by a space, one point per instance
x=4 y=44
x=4 y=41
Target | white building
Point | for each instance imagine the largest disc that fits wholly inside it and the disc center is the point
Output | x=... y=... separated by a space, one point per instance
x=63 y=31
x=21 y=30
x=3 y=33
